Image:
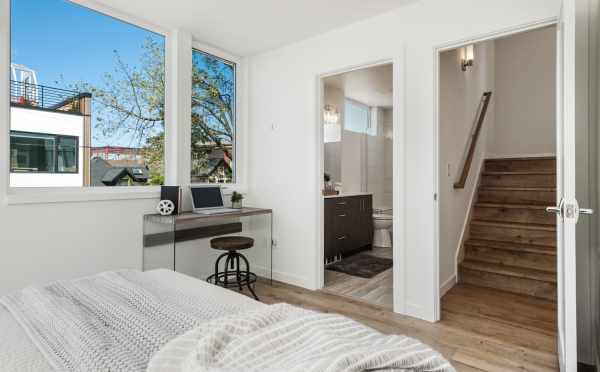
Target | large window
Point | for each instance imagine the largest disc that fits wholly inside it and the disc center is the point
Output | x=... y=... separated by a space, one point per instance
x=213 y=119
x=87 y=96
x=43 y=153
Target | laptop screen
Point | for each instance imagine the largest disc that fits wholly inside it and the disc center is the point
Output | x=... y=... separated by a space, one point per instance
x=207 y=197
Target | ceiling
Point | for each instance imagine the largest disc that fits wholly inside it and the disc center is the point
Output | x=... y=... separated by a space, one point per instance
x=246 y=27
x=372 y=86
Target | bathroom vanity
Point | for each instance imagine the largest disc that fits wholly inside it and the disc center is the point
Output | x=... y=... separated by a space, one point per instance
x=348 y=224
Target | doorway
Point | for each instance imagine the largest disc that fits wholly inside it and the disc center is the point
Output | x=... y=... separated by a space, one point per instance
x=357 y=187
x=497 y=174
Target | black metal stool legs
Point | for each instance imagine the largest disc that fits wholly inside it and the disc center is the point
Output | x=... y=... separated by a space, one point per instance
x=248 y=275
x=233 y=276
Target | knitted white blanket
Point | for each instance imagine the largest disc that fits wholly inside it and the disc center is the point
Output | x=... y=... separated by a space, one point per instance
x=286 y=338
x=108 y=322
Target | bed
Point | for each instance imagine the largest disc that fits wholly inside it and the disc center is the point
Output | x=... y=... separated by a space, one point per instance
x=161 y=320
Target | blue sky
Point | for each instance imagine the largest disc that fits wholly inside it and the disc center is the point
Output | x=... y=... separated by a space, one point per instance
x=66 y=43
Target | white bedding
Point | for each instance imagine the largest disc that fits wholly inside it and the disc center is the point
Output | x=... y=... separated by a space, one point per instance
x=17 y=353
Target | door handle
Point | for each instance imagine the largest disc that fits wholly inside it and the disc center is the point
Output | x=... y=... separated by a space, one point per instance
x=556 y=210
x=586 y=211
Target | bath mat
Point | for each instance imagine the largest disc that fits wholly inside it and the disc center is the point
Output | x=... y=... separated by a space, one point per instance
x=361 y=265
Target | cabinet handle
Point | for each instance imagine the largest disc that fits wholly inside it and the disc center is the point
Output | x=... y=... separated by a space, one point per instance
x=341 y=237
x=341 y=203
x=341 y=215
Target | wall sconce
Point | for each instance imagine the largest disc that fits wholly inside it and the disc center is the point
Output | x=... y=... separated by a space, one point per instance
x=331 y=115
x=332 y=130
x=468 y=55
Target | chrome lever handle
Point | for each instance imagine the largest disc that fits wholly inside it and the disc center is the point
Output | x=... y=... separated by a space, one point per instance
x=557 y=210
x=586 y=211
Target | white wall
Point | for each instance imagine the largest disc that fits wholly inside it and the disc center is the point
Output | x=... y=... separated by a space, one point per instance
x=525 y=74
x=38 y=121
x=460 y=95
x=291 y=181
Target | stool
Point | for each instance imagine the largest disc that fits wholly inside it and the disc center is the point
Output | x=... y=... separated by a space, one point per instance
x=233 y=276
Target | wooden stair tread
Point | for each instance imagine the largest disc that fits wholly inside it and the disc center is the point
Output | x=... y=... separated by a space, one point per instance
x=513 y=271
x=513 y=188
x=510 y=205
x=521 y=159
x=513 y=225
x=518 y=173
x=509 y=246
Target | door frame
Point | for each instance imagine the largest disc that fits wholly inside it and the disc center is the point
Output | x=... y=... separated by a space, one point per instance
x=437 y=50
x=399 y=246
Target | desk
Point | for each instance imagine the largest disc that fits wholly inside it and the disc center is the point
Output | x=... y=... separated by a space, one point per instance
x=163 y=235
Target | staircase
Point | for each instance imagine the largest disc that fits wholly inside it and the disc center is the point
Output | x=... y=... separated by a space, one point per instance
x=512 y=239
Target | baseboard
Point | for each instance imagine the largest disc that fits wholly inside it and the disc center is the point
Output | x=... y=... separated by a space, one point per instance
x=513 y=156
x=447 y=285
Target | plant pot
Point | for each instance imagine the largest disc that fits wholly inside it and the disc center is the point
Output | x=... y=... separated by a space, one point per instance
x=236 y=205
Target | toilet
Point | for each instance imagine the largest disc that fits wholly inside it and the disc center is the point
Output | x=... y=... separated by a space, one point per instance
x=382 y=222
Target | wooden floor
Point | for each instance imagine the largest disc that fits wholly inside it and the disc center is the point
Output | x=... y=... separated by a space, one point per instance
x=377 y=290
x=472 y=334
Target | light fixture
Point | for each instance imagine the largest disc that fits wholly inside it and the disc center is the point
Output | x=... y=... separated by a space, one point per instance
x=468 y=55
x=331 y=115
x=332 y=130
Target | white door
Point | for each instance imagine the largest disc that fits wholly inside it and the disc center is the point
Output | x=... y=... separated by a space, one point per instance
x=567 y=208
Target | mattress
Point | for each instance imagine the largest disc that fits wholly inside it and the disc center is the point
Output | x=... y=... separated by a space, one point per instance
x=18 y=353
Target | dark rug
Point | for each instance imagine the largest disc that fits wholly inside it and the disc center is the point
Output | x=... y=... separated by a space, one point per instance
x=361 y=265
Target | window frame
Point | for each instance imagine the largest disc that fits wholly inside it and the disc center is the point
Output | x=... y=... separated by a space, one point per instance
x=16 y=195
x=240 y=104
x=56 y=138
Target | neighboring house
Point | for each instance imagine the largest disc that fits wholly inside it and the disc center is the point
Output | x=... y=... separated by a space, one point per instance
x=50 y=132
x=105 y=173
x=215 y=168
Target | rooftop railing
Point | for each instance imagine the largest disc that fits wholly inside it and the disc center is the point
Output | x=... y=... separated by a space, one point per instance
x=46 y=98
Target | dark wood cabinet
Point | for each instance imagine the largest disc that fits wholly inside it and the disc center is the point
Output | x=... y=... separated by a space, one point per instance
x=348 y=225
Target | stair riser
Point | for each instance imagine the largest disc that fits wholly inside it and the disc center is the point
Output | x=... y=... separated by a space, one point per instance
x=520 y=165
x=516 y=235
x=519 y=180
x=512 y=258
x=545 y=198
x=519 y=215
x=508 y=283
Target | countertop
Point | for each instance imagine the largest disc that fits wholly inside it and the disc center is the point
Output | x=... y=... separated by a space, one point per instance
x=345 y=194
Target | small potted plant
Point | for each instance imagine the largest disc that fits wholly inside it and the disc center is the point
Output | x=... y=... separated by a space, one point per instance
x=236 y=200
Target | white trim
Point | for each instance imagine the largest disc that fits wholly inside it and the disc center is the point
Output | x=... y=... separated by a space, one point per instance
x=465 y=228
x=516 y=156
x=81 y=194
x=121 y=16
x=448 y=284
x=437 y=50
x=399 y=249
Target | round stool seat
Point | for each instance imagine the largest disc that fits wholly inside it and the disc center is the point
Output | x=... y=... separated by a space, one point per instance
x=232 y=243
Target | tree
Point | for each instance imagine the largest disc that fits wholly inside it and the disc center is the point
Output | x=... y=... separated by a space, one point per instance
x=130 y=103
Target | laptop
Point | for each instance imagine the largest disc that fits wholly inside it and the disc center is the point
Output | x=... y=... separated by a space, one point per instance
x=208 y=200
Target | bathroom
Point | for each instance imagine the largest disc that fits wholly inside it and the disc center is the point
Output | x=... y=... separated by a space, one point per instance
x=358 y=184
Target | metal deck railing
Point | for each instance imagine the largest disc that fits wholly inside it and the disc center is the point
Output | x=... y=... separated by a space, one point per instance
x=46 y=98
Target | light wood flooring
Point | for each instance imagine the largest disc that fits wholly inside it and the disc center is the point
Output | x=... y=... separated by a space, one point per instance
x=377 y=290
x=481 y=329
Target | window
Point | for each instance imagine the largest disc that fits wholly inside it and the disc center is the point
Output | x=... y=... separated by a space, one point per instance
x=356 y=117
x=213 y=119
x=87 y=98
x=43 y=153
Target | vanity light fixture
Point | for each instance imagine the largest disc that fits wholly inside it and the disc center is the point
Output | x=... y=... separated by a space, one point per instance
x=468 y=55
x=331 y=115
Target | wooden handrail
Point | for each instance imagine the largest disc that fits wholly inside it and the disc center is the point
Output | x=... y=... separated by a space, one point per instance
x=460 y=184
